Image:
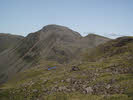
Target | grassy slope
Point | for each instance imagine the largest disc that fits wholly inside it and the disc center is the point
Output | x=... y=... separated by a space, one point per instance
x=110 y=75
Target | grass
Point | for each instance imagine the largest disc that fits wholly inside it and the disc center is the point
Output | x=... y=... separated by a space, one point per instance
x=118 y=97
x=22 y=85
x=72 y=96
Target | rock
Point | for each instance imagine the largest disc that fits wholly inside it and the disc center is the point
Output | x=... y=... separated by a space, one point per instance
x=24 y=89
x=73 y=89
x=68 y=90
x=73 y=81
x=76 y=82
x=74 y=68
x=53 y=89
x=56 y=86
x=94 y=79
x=62 y=88
x=68 y=80
x=45 y=90
x=62 y=80
x=89 y=90
x=112 y=81
x=84 y=86
x=108 y=86
x=44 y=81
x=34 y=90
x=80 y=81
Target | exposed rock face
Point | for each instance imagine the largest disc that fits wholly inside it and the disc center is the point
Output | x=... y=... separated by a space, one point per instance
x=123 y=41
x=51 y=43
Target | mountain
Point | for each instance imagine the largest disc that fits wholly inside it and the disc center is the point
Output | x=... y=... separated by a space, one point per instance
x=53 y=43
x=8 y=41
x=117 y=47
x=106 y=73
x=93 y=40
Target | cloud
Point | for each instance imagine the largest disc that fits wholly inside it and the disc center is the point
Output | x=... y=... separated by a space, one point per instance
x=115 y=35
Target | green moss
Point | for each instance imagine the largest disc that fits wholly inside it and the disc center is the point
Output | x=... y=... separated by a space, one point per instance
x=118 y=97
x=72 y=96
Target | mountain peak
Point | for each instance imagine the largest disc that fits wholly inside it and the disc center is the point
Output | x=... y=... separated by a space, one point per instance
x=55 y=27
x=58 y=31
x=95 y=35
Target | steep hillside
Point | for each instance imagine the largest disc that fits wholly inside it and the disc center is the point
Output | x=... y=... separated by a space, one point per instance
x=52 y=43
x=117 y=47
x=9 y=41
x=108 y=75
x=93 y=40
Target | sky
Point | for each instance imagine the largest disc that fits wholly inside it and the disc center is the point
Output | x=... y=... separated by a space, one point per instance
x=110 y=18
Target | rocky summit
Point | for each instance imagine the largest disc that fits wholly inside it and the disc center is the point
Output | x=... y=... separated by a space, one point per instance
x=57 y=63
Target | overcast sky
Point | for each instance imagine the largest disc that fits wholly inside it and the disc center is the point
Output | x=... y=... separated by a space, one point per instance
x=102 y=17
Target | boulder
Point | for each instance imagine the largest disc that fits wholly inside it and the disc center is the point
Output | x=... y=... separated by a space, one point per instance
x=74 y=68
x=68 y=80
x=34 y=90
x=89 y=90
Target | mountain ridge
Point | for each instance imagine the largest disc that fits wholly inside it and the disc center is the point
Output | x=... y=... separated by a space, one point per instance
x=51 y=43
x=105 y=74
x=9 y=40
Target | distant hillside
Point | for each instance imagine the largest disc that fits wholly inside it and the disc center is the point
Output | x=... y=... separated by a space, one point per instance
x=93 y=40
x=117 y=47
x=9 y=41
